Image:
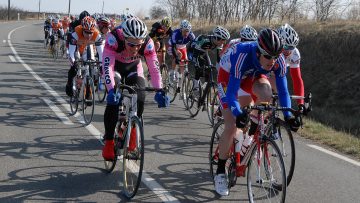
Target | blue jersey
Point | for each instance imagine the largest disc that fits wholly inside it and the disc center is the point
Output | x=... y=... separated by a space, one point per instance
x=241 y=61
x=178 y=39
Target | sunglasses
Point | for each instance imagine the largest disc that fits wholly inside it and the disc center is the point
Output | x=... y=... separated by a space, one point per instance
x=219 y=39
x=88 y=33
x=130 y=44
x=271 y=57
x=288 y=48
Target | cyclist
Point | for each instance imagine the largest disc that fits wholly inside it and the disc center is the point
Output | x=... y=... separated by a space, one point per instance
x=159 y=31
x=292 y=55
x=246 y=65
x=247 y=33
x=200 y=48
x=112 y=23
x=103 y=24
x=123 y=51
x=84 y=34
x=74 y=23
x=56 y=28
x=124 y=18
x=47 y=26
x=177 y=47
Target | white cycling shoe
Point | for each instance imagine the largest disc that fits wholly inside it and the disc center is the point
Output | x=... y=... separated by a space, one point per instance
x=221 y=185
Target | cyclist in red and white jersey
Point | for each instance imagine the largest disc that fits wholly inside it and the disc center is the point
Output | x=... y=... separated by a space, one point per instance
x=290 y=40
x=123 y=51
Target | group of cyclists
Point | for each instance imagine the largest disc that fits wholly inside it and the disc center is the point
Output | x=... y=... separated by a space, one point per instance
x=250 y=68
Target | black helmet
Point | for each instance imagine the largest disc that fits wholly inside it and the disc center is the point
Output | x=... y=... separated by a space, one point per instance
x=269 y=43
x=83 y=15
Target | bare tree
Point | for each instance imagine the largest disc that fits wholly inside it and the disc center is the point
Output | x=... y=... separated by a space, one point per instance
x=323 y=9
x=157 y=12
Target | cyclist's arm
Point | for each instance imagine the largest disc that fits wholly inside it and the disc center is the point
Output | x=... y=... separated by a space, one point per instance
x=99 y=43
x=234 y=84
x=281 y=84
x=173 y=44
x=295 y=73
x=72 y=47
x=152 y=64
x=108 y=61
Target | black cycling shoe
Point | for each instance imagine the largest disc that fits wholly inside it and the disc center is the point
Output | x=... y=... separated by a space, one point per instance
x=68 y=90
x=178 y=90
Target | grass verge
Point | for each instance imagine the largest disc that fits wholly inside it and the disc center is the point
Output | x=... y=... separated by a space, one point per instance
x=341 y=141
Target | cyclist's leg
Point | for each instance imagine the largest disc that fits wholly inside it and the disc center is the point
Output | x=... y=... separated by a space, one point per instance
x=181 y=66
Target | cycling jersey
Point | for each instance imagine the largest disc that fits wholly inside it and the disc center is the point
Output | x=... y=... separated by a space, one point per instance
x=47 y=25
x=240 y=62
x=202 y=44
x=177 y=41
x=115 y=51
x=79 y=41
x=293 y=60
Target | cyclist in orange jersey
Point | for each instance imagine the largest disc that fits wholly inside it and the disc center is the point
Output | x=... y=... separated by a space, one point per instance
x=84 y=34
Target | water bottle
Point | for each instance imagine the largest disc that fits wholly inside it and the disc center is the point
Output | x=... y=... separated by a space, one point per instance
x=245 y=145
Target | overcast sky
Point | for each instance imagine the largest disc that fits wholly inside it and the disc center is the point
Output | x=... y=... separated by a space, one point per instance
x=92 y=6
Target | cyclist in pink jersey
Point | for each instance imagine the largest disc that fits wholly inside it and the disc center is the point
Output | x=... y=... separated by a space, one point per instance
x=123 y=51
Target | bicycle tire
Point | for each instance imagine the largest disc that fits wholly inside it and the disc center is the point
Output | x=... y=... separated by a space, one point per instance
x=192 y=100
x=215 y=103
x=286 y=145
x=269 y=185
x=74 y=99
x=101 y=93
x=209 y=99
x=184 y=89
x=137 y=155
x=118 y=142
x=88 y=103
x=213 y=152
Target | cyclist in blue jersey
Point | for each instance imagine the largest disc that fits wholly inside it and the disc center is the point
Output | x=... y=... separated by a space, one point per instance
x=177 y=46
x=244 y=67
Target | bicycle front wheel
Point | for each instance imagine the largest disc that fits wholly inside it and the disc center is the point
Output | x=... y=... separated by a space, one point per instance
x=193 y=98
x=266 y=177
x=284 y=139
x=209 y=100
x=185 y=89
x=133 y=157
x=101 y=89
x=88 y=101
x=74 y=99
x=214 y=147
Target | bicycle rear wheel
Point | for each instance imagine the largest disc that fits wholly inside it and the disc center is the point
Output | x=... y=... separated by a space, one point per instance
x=215 y=109
x=284 y=139
x=133 y=157
x=88 y=100
x=193 y=99
x=173 y=86
x=266 y=179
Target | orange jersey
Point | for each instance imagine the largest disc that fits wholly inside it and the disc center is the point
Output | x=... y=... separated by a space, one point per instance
x=79 y=39
x=56 y=27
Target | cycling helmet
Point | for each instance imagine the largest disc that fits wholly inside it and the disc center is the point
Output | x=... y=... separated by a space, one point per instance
x=185 y=25
x=57 y=16
x=248 y=33
x=88 y=24
x=166 y=22
x=72 y=17
x=65 y=18
x=124 y=17
x=134 y=28
x=103 y=22
x=221 y=33
x=289 y=36
x=269 y=43
x=83 y=15
x=56 y=21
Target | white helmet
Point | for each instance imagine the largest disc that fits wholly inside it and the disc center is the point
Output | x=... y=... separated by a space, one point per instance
x=248 y=33
x=288 y=35
x=185 y=25
x=221 y=33
x=124 y=17
x=134 y=28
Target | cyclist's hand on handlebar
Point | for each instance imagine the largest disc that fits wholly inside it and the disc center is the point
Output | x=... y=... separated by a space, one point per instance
x=113 y=98
x=293 y=122
x=162 y=99
x=242 y=120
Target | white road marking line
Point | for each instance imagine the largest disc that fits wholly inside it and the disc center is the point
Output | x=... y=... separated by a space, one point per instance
x=12 y=58
x=58 y=112
x=163 y=194
x=356 y=163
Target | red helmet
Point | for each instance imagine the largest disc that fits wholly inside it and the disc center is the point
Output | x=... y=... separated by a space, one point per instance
x=88 y=24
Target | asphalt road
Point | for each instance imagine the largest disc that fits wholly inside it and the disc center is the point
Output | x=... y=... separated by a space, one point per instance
x=46 y=159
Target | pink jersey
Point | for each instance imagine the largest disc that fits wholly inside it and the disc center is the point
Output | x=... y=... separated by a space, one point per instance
x=115 y=51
